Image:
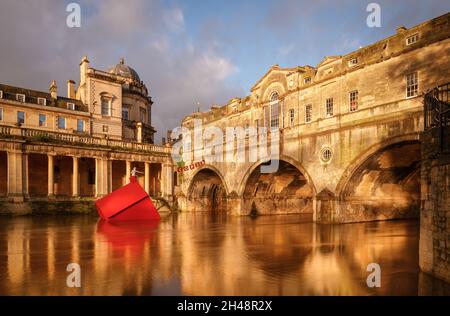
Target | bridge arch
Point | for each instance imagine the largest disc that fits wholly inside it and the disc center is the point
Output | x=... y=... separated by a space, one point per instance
x=383 y=182
x=289 y=190
x=207 y=190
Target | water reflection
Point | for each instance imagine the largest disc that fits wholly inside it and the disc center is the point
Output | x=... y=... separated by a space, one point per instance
x=201 y=254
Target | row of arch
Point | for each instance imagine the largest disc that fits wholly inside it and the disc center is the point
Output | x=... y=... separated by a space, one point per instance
x=382 y=183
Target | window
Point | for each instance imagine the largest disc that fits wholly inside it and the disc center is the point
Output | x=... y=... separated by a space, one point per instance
x=105 y=128
x=61 y=122
x=71 y=106
x=329 y=107
x=257 y=123
x=353 y=61
x=1 y=114
x=1 y=94
x=308 y=113
x=353 y=98
x=307 y=80
x=412 y=39
x=20 y=117
x=42 y=120
x=125 y=113
x=267 y=116
x=326 y=154
x=412 y=85
x=105 y=107
x=80 y=125
x=20 y=98
x=143 y=115
x=41 y=101
x=291 y=117
x=274 y=110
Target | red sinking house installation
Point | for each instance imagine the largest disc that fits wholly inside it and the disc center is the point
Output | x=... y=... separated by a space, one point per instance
x=130 y=202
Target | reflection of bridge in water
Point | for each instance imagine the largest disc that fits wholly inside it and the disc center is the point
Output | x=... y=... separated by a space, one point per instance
x=206 y=254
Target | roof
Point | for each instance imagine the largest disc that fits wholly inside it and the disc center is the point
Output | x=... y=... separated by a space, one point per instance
x=275 y=68
x=31 y=96
x=124 y=70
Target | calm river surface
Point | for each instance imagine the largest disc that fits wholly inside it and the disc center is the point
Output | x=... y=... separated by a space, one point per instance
x=205 y=254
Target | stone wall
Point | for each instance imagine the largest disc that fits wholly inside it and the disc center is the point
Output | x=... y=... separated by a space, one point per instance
x=434 y=246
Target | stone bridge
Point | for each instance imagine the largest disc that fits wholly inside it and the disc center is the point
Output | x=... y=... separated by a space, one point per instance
x=365 y=170
x=349 y=130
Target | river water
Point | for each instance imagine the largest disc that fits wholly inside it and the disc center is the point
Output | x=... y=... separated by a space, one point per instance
x=209 y=254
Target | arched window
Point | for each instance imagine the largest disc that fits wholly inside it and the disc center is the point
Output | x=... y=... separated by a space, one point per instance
x=274 y=112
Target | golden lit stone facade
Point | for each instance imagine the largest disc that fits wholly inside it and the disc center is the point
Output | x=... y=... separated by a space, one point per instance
x=349 y=133
x=79 y=147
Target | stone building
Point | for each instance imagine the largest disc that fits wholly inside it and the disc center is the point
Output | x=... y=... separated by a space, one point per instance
x=349 y=130
x=77 y=147
x=434 y=246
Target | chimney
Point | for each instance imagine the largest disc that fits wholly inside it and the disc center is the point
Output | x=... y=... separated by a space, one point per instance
x=401 y=29
x=84 y=67
x=53 y=90
x=71 y=89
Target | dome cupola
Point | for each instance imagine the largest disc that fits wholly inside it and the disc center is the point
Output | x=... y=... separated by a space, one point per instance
x=124 y=70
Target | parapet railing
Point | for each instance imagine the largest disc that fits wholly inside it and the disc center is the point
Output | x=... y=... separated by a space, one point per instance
x=49 y=136
x=437 y=113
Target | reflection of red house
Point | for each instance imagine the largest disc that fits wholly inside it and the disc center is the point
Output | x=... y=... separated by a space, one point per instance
x=130 y=202
x=128 y=236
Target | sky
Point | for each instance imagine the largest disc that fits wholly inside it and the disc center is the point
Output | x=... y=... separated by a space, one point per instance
x=189 y=53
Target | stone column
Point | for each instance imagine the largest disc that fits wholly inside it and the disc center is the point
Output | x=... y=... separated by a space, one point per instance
x=102 y=177
x=75 y=178
x=139 y=132
x=50 y=179
x=128 y=171
x=147 y=177
x=166 y=179
x=25 y=175
x=15 y=175
x=108 y=175
x=98 y=177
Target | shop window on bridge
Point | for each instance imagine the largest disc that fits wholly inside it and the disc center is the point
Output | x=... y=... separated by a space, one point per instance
x=412 y=84
x=267 y=116
x=291 y=117
x=329 y=107
x=353 y=98
x=1 y=114
x=274 y=110
x=308 y=113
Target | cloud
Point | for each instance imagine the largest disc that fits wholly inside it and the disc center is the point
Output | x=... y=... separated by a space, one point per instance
x=174 y=19
x=179 y=71
x=286 y=50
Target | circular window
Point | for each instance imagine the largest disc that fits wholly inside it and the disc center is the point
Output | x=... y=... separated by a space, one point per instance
x=326 y=154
